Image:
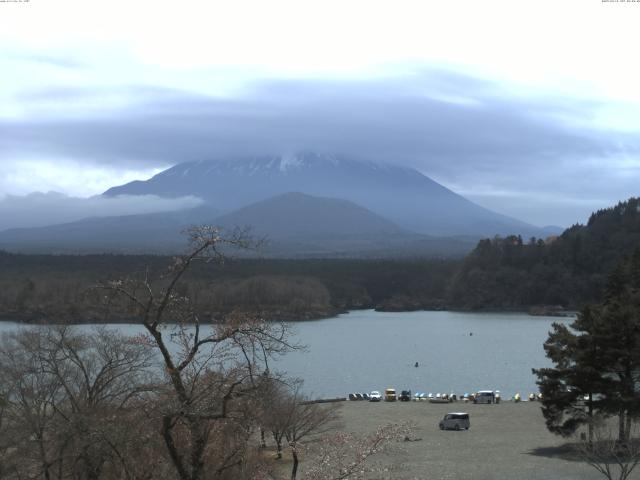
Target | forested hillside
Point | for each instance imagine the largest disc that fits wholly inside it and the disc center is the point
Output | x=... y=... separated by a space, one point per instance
x=60 y=288
x=570 y=270
x=500 y=274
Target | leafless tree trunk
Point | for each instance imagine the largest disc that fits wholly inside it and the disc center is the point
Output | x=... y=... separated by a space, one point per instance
x=210 y=371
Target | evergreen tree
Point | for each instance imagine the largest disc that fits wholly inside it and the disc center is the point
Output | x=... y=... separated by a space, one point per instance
x=569 y=391
x=597 y=359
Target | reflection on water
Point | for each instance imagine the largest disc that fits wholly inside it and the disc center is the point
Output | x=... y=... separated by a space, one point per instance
x=456 y=352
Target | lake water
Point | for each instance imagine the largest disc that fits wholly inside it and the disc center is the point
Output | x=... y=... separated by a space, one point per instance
x=366 y=350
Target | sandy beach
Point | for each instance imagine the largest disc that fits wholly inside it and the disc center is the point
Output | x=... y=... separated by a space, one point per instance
x=505 y=441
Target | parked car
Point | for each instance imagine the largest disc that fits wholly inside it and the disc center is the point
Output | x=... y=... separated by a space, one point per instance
x=390 y=395
x=484 y=396
x=405 y=396
x=455 y=421
x=375 y=396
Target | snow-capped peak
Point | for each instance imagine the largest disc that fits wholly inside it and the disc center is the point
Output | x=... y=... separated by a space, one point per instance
x=290 y=161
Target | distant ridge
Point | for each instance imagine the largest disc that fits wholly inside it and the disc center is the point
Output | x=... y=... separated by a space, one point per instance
x=145 y=233
x=295 y=225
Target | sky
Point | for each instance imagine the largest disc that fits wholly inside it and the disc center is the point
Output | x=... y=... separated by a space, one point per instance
x=531 y=109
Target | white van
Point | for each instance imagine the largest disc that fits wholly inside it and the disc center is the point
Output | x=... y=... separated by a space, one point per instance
x=455 y=421
x=485 y=396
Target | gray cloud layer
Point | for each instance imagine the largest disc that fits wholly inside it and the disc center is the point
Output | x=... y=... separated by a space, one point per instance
x=39 y=209
x=457 y=129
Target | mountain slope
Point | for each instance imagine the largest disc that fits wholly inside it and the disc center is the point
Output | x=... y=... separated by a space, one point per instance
x=402 y=195
x=300 y=215
x=296 y=225
x=146 y=233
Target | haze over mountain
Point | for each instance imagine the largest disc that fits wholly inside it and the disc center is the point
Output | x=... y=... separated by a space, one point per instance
x=401 y=195
x=305 y=204
x=145 y=233
x=294 y=225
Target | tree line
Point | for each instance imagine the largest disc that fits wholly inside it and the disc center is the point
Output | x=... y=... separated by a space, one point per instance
x=48 y=288
x=569 y=271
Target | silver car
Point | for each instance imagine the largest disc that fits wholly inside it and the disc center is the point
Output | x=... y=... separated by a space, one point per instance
x=455 y=421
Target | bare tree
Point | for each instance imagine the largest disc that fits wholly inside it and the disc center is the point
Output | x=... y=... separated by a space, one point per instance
x=103 y=374
x=32 y=396
x=290 y=416
x=305 y=419
x=211 y=371
x=275 y=412
x=67 y=394
x=614 y=459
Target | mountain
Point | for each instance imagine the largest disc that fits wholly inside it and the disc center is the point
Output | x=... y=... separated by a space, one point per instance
x=294 y=224
x=402 y=195
x=344 y=207
x=300 y=225
x=146 y=233
x=300 y=216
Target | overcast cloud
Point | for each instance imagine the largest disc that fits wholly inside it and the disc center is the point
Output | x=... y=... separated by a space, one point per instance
x=517 y=154
x=516 y=105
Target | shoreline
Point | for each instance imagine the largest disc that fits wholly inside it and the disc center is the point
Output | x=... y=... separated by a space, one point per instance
x=38 y=319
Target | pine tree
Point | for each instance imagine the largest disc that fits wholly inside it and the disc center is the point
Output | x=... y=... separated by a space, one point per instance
x=569 y=391
x=597 y=359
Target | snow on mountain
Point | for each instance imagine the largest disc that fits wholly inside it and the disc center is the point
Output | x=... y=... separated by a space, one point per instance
x=401 y=195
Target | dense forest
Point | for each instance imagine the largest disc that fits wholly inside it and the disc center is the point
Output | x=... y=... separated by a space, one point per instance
x=42 y=288
x=567 y=271
x=510 y=273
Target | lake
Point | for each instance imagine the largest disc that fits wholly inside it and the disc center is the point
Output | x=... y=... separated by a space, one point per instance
x=364 y=350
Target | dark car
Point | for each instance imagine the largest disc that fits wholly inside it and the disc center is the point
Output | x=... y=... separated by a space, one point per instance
x=405 y=396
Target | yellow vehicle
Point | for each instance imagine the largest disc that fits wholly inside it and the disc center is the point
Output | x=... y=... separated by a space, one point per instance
x=390 y=395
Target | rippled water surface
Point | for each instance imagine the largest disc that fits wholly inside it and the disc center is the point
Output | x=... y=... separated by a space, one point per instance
x=456 y=352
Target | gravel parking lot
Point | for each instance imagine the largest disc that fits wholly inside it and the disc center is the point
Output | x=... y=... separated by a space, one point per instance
x=505 y=441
